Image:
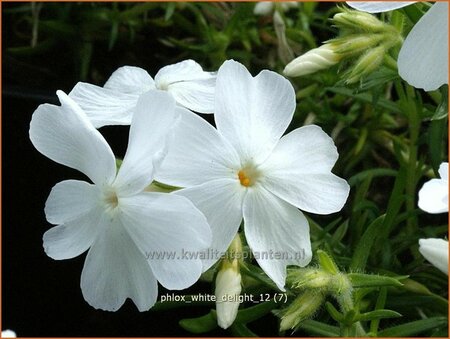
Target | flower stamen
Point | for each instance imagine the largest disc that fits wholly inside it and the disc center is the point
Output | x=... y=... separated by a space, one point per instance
x=112 y=200
x=245 y=181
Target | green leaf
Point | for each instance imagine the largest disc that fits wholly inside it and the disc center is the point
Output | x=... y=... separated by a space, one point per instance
x=442 y=110
x=373 y=172
x=258 y=274
x=334 y=313
x=436 y=140
x=360 y=280
x=170 y=9
x=253 y=313
x=413 y=328
x=202 y=324
x=319 y=328
x=326 y=262
x=413 y=13
x=366 y=97
x=378 y=314
x=364 y=247
x=339 y=234
x=241 y=330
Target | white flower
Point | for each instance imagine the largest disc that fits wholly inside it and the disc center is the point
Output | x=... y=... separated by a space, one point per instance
x=267 y=7
x=423 y=58
x=243 y=170
x=114 y=103
x=119 y=223
x=433 y=196
x=228 y=289
x=436 y=252
x=8 y=334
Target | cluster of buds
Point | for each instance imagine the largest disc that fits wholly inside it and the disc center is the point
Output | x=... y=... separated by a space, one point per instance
x=364 y=40
x=314 y=284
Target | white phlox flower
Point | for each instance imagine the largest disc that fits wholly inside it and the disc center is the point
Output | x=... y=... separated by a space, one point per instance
x=245 y=169
x=8 y=334
x=114 y=218
x=436 y=252
x=114 y=103
x=423 y=58
x=433 y=196
x=267 y=7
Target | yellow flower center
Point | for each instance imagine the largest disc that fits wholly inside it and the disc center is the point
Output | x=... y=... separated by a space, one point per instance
x=245 y=181
x=111 y=199
x=248 y=176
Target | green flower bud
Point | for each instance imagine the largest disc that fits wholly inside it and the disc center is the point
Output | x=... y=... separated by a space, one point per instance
x=366 y=64
x=309 y=278
x=356 y=43
x=356 y=21
x=302 y=308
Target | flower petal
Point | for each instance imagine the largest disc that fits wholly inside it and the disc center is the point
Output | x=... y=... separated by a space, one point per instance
x=104 y=106
x=221 y=203
x=130 y=80
x=433 y=196
x=69 y=200
x=115 y=270
x=277 y=233
x=443 y=171
x=170 y=232
x=423 y=58
x=378 y=6
x=436 y=252
x=65 y=135
x=252 y=113
x=196 y=95
x=151 y=124
x=186 y=70
x=74 y=237
x=299 y=171
x=197 y=154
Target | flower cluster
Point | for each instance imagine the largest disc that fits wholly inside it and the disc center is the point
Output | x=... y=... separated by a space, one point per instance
x=244 y=169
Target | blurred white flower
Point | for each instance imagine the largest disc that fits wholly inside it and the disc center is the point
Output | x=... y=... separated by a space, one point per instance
x=267 y=7
x=8 y=334
x=245 y=169
x=433 y=196
x=423 y=58
x=114 y=103
x=113 y=218
x=228 y=289
x=436 y=252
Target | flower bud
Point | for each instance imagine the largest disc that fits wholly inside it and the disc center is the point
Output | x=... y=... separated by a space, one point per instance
x=228 y=289
x=366 y=64
x=309 y=278
x=312 y=61
x=228 y=285
x=436 y=252
x=359 y=22
x=356 y=43
x=301 y=309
